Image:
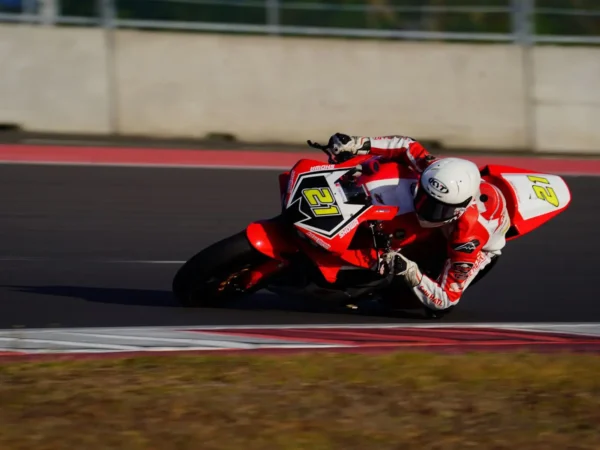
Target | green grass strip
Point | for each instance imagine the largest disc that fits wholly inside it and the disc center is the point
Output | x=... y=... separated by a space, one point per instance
x=318 y=401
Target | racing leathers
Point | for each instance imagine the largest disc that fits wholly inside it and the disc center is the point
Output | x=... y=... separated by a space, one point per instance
x=474 y=239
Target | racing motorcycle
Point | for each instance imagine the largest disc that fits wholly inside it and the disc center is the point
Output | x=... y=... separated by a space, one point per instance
x=336 y=222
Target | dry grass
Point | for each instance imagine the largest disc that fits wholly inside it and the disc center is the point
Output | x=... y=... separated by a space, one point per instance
x=320 y=401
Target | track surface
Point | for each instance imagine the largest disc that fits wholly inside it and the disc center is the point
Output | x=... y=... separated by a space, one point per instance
x=77 y=245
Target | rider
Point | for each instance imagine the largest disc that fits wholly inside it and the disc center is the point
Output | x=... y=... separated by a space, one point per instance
x=451 y=195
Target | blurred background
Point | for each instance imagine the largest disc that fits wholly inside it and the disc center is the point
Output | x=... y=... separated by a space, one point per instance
x=514 y=75
x=492 y=20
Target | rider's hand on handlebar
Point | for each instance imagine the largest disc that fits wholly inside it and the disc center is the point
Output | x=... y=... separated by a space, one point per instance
x=396 y=263
x=343 y=143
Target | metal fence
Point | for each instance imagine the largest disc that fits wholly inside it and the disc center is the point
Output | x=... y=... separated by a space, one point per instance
x=521 y=21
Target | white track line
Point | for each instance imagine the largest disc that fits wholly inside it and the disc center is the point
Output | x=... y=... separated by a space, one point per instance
x=25 y=340
x=94 y=261
x=205 y=342
x=197 y=327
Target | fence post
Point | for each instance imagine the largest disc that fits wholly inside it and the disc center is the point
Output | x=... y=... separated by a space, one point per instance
x=523 y=20
x=49 y=10
x=273 y=15
x=30 y=10
x=107 y=12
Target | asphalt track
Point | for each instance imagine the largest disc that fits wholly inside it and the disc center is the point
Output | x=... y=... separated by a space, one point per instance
x=94 y=246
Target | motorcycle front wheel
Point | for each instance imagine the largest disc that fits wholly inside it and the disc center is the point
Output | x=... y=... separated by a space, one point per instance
x=213 y=276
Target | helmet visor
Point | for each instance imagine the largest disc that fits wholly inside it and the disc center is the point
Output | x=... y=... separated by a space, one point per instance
x=433 y=210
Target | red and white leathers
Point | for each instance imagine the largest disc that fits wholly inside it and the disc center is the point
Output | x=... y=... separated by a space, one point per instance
x=473 y=239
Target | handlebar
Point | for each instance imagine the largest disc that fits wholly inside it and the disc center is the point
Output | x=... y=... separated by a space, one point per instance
x=332 y=159
x=318 y=146
x=325 y=149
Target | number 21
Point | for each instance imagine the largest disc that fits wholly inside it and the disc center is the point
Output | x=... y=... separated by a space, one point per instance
x=321 y=202
x=544 y=192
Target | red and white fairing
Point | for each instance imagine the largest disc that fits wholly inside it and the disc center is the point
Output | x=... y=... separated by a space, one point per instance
x=532 y=198
x=325 y=218
x=390 y=188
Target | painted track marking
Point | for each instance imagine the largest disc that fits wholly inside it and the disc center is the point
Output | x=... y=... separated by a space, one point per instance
x=90 y=261
x=244 y=159
x=285 y=338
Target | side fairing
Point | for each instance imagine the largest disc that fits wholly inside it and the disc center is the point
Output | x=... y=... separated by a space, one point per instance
x=320 y=203
x=327 y=209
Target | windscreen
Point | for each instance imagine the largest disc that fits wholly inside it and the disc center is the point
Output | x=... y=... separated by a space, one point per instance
x=353 y=193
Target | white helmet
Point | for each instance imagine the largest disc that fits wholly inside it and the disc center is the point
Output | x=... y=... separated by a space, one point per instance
x=445 y=190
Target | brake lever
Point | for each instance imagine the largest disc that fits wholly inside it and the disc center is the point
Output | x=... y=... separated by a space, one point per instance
x=324 y=149
x=317 y=145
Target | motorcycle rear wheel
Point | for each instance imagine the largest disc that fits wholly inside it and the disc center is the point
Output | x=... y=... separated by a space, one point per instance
x=210 y=277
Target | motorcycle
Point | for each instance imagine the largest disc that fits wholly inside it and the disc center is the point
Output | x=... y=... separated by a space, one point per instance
x=336 y=222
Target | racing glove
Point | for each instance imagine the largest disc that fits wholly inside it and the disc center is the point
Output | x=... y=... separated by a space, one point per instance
x=343 y=143
x=399 y=265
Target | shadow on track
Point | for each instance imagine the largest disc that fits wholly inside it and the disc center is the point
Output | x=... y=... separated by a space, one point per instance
x=130 y=297
x=162 y=299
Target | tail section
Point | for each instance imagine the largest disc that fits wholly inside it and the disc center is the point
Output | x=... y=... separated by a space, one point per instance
x=533 y=198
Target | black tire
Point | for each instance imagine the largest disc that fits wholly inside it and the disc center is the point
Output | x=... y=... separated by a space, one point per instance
x=197 y=282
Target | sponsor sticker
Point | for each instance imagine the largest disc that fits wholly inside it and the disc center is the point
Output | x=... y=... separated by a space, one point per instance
x=461 y=270
x=436 y=301
x=438 y=185
x=344 y=231
x=325 y=167
x=467 y=247
x=319 y=241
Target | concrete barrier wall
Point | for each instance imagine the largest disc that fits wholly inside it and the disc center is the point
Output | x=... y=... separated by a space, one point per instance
x=261 y=88
x=291 y=89
x=54 y=79
x=567 y=99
